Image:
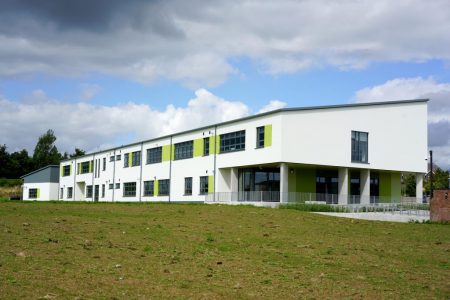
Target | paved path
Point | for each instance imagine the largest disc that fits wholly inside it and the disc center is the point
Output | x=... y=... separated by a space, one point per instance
x=379 y=216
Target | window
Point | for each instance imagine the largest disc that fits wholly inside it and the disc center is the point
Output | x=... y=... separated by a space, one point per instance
x=360 y=141
x=66 y=170
x=206 y=146
x=164 y=187
x=203 y=185
x=154 y=155
x=126 y=157
x=69 y=192
x=118 y=157
x=61 y=193
x=85 y=167
x=260 y=137
x=136 y=158
x=103 y=191
x=111 y=186
x=117 y=185
x=233 y=141
x=111 y=158
x=129 y=189
x=149 y=188
x=104 y=163
x=184 y=150
x=89 y=191
x=188 y=186
x=32 y=193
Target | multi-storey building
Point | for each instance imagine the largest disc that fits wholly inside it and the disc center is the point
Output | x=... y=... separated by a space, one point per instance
x=353 y=153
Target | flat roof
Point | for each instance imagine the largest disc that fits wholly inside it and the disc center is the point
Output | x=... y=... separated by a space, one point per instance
x=292 y=109
x=38 y=170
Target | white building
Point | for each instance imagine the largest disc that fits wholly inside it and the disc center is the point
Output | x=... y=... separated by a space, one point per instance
x=353 y=153
x=41 y=184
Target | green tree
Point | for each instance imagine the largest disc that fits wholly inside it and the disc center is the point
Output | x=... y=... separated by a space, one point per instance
x=410 y=185
x=45 y=152
x=78 y=152
x=440 y=180
x=4 y=159
x=19 y=164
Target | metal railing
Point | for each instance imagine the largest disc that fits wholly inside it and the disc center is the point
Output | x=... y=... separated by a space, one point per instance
x=295 y=197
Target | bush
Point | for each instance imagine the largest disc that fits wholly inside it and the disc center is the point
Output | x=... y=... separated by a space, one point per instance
x=314 y=207
x=5 y=182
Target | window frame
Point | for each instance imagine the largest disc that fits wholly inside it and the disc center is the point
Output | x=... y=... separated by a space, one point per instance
x=188 y=186
x=184 y=150
x=232 y=141
x=149 y=188
x=129 y=189
x=126 y=160
x=154 y=155
x=89 y=191
x=260 y=141
x=166 y=184
x=358 y=149
x=69 y=192
x=85 y=167
x=136 y=158
x=203 y=188
x=66 y=168
x=206 y=146
x=32 y=193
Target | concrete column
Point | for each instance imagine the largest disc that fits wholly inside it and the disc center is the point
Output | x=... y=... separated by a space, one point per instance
x=419 y=187
x=234 y=181
x=364 y=181
x=284 y=189
x=343 y=186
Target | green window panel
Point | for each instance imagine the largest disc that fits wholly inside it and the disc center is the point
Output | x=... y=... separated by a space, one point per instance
x=62 y=170
x=268 y=135
x=211 y=184
x=166 y=153
x=156 y=188
x=130 y=159
x=214 y=140
x=90 y=166
x=38 y=193
x=198 y=147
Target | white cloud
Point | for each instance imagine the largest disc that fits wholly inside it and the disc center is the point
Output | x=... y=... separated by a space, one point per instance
x=438 y=108
x=195 y=42
x=89 y=91
x=272 y=105
x=93 y=127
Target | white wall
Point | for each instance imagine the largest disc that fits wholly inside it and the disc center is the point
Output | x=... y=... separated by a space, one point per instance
x=47 y=191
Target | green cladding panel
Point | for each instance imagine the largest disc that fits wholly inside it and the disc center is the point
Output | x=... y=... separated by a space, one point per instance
x=130 y=159
x=90 y=166
x=38 y=193
x=306 y=180
x=268 y=135
x=62 y=171
x=211 y=184
x=198 y=147
x=166 y=153
x=156 y=188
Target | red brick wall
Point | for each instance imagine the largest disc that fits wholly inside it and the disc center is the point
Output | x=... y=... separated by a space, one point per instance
x=440 y=206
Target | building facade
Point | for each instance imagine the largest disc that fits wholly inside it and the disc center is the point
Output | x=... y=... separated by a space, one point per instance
x=41 y=184
x=352 y=153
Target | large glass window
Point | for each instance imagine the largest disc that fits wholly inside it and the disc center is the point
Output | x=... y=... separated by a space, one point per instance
x=232 y=141
x=188 y=186
x=259 y=180
x=326 y=182
x=129 y=189
x=89 y=191
x=355 y=183
x=66 y=170
x=32 y=193
x=260 y=137
x=136 y=158
x=154 y=155
x=184 y=150
x=163 y=187
x=149 y=187
x=206 y=146
x=104 y=163
x=360 y=148
x=103 y=190
x=203 y=185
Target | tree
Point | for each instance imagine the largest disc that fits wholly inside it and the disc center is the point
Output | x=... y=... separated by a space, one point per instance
x=20 y=164
x=410 y=185
x=440 y=180
x=78 y=152
x=4 y=159
x=45 y=152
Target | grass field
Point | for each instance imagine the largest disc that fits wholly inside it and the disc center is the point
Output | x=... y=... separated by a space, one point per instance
x=128 y=251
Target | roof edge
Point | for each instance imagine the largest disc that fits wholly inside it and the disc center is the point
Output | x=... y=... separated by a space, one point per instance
x=35 y=171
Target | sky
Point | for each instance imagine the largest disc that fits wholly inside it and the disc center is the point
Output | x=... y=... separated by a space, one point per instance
x=109 y=72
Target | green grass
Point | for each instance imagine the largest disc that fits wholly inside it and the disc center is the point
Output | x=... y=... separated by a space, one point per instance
x=129 y=251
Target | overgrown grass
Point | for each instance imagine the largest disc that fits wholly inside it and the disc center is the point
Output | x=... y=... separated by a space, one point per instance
x=313 y=207
x=130 y=251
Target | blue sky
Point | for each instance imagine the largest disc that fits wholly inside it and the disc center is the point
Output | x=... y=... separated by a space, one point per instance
x=117 y=71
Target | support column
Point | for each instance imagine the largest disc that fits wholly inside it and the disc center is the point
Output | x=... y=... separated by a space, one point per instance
x=343 y=186
x=234 y=184
x=284 y=189
x=365 y=186
x=419 y=187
